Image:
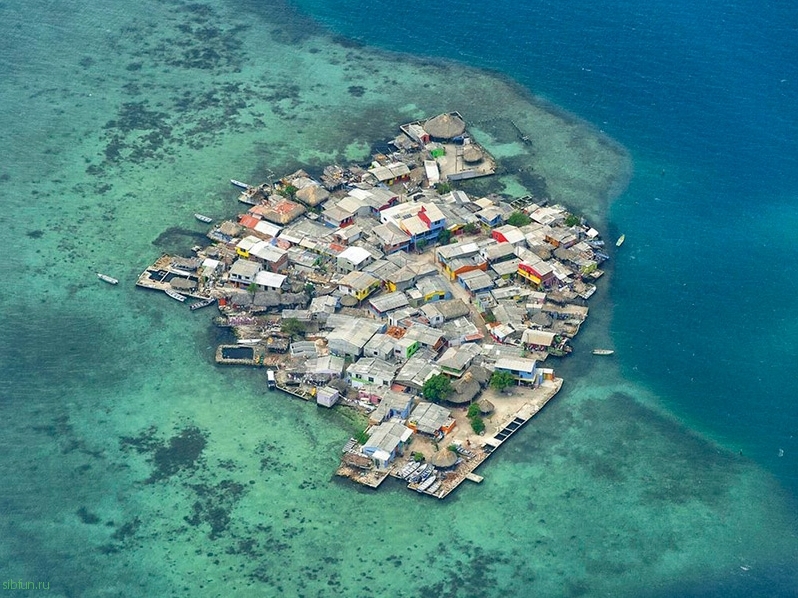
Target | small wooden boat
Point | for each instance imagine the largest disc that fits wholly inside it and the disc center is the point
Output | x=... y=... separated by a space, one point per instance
x=175 y=295
x=203 y=218
x=620 y=240
x=203 y=303
x=106 y=278
x=426 y=484
x=239 y=184
x=603 y=351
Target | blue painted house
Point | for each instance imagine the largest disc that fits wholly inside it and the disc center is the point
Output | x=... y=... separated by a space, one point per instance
x=522 y=369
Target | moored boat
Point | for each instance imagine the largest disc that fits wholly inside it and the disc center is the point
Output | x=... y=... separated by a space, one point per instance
x=620 y=240
x=108 y=279
x=203 y=218
x=203 y=303
x=434 y=488
x=175 y=295
x=239 y=184
x=603 y=351
x=427 y=483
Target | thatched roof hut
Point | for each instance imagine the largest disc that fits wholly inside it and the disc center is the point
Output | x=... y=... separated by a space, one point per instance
x=485 y=407
x=472 y=154
x=266 y=299
x=179 y=283
x=465 y=390
x=479 y=374
x=312 y=195
x=230 y=229
x=444 y=459
x=349 y=301
x=445 y=126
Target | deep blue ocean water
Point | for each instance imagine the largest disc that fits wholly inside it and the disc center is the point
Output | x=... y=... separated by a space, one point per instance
x=702 y=93
x=136 y=467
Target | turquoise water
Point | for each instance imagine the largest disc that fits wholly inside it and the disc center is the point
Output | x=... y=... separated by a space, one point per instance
x=135 y=467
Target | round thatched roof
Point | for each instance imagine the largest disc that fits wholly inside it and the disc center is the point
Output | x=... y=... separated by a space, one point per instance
x=485 y=406
x=458 y=398
x=445 y=126
x=444 y=459
x=348 y=301
x=472 y=154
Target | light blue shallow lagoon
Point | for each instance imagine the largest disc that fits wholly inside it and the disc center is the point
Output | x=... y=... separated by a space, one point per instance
x=134 y=466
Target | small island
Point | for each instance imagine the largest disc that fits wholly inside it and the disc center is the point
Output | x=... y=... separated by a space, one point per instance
x=428 y=313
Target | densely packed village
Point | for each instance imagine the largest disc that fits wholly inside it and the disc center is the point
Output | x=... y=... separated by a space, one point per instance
x=386 y=289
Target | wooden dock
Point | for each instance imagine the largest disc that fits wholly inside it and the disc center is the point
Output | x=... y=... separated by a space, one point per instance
x=297 y=391
x=156 y=277
x=367 y=477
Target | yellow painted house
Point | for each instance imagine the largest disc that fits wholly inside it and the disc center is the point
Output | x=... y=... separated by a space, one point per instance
x=359 y=284
x=245 y=244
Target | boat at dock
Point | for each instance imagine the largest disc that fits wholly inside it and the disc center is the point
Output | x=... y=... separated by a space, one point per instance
x=434 y=488
x=239 y=184
x=203 y=218
x=108 y=279
x=271 y=383
x=175 y=295
x=203 y=303
x=409 y=469
x=603 y=351
x=620 y=240
x=426 y=484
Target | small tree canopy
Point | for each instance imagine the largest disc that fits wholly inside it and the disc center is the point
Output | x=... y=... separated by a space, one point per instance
x=518 y=219
x=572 y=220
x=477 y=424
x=437 y=388
x=473 y=410
x=444 y=236
x=288 y=191
x=501 y=380
x=292 y=327
x=471 y=228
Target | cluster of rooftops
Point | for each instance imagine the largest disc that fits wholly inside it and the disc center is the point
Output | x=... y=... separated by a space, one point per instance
x=390 y=276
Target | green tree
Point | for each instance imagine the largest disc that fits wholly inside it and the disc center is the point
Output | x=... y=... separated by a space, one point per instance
x=252 y=288
x=443 y=188
x=501 y=380
x=288 y=191
x=572 y=220
x=471 y=228
x=362 y=437
x=420 y=245
x=310 y=290
x=418 y=457
x=292 y=327
x=518 y=219
x=444 y=236
x=477 y=424
x=437 y=388
x=473 y=411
